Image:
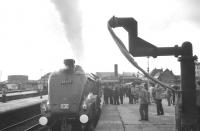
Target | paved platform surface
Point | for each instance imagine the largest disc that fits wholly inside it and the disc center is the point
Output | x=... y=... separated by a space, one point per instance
x=19 y=103
x=19 y=93
x=125 y=118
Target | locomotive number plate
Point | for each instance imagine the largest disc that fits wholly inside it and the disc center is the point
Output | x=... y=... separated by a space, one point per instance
x=64 y=106
x=66 y=82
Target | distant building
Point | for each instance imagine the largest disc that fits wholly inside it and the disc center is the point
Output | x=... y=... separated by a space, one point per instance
x=129 y=79
x=165 y=76
x=129 y=74
x=44 y=79
x=197 y=70
x=125 y=77
x=168 y=77
x=31 y=85
x=177 y=80
x=113 y=77
x=21 y=82
x=17 y=79
x=106 y=75
x=156 y=72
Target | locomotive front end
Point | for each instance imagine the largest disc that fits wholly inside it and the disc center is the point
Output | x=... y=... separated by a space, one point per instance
x=65 y=89
x=73 y=99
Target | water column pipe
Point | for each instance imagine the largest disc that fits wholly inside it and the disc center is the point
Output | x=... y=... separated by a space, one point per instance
x=139 y=47
x=189 y=108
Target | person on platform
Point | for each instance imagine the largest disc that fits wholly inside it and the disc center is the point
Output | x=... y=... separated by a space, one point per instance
x=116 y=94
x=110 y=96
x=153 y=94
x=40 y=86
x=151 y=87
x=158 y=99
x=175 y=87
x=106 y=93
x=130 y=95
x=169 y=95
x=132 y=87
x=135 y=95
x=143 y=101
x=4 y=92
x=121 y=94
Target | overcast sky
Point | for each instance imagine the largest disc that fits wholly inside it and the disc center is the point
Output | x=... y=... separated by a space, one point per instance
x=37 y=35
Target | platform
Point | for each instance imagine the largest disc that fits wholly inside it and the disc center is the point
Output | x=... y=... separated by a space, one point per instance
x=126 y=117
x=19 y=93
x=20 y=103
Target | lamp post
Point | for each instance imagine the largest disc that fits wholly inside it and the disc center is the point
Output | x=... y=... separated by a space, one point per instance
x=147 y=72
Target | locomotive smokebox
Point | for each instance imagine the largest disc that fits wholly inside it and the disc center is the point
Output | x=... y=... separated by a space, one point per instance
x=116 y=70
x=70 y=64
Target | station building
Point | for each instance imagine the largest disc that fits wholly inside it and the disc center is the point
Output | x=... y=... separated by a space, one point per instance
x=21 y=82
x=166 y=76
x=17 y=78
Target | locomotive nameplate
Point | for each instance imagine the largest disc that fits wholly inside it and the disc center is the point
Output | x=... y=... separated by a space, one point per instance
x=66 y=82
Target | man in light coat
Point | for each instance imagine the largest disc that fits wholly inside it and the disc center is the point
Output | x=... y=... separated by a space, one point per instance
x=158 y=99
x=143 y=101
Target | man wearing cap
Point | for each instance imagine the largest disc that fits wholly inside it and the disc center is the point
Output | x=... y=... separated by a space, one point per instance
x=143 y=100
x=158 y=98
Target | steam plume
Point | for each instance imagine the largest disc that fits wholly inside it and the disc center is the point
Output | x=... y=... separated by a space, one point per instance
x=71 y=17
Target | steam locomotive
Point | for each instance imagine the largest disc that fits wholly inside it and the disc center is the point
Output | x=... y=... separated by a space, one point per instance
x=73 y=100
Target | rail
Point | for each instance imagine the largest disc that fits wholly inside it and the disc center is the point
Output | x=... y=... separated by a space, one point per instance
x=24 y=125
x=37 y=127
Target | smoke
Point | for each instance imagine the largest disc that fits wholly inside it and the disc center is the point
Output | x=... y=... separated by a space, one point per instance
x=71 y=17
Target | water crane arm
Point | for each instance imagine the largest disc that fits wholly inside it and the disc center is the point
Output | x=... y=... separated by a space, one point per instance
x=130 y=58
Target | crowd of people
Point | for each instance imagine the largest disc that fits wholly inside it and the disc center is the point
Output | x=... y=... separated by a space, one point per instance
x=114 y=93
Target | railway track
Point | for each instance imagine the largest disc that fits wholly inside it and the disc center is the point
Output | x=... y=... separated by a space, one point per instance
x=30 y=124
x=36 y=127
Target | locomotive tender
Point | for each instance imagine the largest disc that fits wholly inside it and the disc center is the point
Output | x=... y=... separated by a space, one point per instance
x=73 y=99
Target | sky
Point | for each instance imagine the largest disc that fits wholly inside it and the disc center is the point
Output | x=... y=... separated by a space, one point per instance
x=37 y=35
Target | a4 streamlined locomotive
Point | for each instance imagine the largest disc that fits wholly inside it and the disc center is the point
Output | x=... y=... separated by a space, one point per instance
x=73 y=100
